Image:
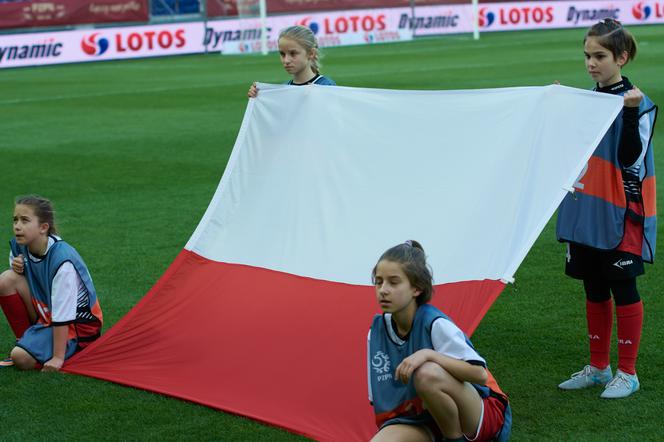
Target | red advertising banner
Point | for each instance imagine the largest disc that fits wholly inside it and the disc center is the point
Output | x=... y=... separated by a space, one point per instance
x=27 y=14
x=222 y=8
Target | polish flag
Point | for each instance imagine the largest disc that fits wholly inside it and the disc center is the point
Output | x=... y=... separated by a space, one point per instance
x=265 y=313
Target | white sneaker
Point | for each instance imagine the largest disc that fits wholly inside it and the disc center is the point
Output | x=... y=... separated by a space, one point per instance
x=588 y=377
x=622 y=385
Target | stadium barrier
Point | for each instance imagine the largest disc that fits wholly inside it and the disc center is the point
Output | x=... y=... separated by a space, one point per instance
x=334 y=28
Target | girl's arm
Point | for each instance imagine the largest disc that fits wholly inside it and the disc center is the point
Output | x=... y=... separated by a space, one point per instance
x=462 y=370
x=65 y=288
x=630 y=147
x=60 y=334
x=452 y=351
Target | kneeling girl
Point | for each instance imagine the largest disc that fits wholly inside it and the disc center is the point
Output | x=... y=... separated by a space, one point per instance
x=426 y=380
x=47 y=296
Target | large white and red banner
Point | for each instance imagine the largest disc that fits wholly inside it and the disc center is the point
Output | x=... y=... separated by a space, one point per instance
x=29 y=14
x=336 y=28
x=265 y=313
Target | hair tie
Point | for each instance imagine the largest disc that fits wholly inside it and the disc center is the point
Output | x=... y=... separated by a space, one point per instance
x=409 y=243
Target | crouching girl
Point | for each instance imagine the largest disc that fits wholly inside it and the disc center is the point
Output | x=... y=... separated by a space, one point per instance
x=426 y=380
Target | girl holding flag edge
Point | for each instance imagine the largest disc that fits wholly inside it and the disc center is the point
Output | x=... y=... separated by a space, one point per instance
x=300 y=57
x=609 y=223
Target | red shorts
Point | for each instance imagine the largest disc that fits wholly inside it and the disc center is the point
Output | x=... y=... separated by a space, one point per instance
x=493 y=416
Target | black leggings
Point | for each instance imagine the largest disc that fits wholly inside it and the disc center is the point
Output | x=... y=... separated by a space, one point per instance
x=599 y=290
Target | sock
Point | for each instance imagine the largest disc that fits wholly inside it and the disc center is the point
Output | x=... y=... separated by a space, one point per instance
x=630 y=323
x=16 y=313
x=600 y=323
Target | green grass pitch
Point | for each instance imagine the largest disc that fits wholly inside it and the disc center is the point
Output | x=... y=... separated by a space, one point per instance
x=132 y=151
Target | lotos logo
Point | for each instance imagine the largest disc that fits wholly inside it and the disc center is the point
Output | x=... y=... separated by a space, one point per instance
x=309 y=24
x=641 y=11
x=486 y=18
x=149 y=40
x=520 y=15
x=92 y=45
x=346 y=24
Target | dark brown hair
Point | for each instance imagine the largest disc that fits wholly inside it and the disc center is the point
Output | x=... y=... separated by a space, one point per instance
x=43 y=209
x=611 y=35
x=410 y=255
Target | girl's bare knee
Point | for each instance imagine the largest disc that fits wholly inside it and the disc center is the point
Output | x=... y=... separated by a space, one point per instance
x=431 y=376
x=11 y=282
x=22 y=359
x=7 y=283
